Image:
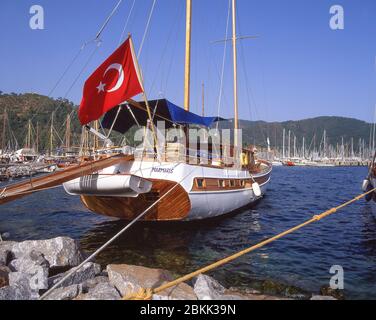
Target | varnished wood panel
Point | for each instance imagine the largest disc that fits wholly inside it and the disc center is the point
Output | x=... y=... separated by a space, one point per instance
x=212 y=184
x=175 y=206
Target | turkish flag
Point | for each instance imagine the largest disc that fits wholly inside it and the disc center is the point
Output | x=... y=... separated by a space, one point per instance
x=115 y=81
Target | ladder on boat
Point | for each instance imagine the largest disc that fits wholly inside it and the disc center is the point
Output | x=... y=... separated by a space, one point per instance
x=24 y=188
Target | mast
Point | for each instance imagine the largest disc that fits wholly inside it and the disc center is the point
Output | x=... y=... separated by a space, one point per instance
x=3 y=142
x=303 y=147
x=203 y=99
x=96 y=127
x=67 y=133
x=289 y=145
x=37 y=139
x=283 y=143
x=187 y=76
x=236 y=116
x=343 y=150
x=51 y=133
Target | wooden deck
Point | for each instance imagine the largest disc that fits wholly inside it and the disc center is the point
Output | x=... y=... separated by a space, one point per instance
x=19 y=190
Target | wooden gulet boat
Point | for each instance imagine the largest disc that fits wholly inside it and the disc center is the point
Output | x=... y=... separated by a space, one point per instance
x=191 y=186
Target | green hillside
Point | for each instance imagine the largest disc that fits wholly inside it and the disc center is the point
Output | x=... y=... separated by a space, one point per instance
x=23 y=107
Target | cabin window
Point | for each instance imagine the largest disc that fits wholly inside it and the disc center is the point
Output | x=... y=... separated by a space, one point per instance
x=232 y=183
x=221 y=183
x=242 y=183
x=200 y=183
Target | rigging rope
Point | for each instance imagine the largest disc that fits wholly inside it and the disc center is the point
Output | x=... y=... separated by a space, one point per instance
x=223 y=63
x=126 y=23
x=147 y=294
x=146 y=29
x=108 y=20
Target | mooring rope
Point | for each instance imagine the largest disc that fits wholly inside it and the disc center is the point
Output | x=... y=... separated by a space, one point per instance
x=147 y=294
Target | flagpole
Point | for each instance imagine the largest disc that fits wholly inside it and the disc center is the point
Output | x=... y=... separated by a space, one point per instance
x=143 y=90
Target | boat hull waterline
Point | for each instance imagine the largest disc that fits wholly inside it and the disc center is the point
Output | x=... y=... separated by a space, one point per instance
x=197 y=192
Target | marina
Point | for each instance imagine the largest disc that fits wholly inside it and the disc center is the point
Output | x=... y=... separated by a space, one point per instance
x=298 y=264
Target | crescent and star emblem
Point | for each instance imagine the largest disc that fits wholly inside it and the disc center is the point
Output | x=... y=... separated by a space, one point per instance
x=119 y=68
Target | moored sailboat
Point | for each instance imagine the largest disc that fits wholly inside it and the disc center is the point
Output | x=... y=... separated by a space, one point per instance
x=180 y=181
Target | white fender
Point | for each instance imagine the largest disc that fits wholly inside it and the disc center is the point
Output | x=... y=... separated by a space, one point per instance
x=365 y=185
x=256 y=189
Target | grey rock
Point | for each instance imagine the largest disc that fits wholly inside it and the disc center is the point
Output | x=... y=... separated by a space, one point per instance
x=322 y=298
x=207 y=288
x=180 y=292
x=102 y=291
x=5 y=235
x=59 y=252
x=34 y=258
x=32 y=268
x=91 y=283
x=4 y=276
x=66 y=293
x=5 y=256
x=36 y=277
x=88 y=271
x=128 y=279
x=21 y=291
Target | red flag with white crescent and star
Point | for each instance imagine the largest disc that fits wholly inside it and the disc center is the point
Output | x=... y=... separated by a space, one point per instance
x=116 y=80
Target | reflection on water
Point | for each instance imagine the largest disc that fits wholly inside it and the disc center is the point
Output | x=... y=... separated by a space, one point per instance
x=302 y=259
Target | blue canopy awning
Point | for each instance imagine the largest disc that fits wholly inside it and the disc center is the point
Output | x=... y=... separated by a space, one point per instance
x=163 y=110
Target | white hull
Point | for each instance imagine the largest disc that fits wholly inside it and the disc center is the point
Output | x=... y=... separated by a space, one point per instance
x=203 y=204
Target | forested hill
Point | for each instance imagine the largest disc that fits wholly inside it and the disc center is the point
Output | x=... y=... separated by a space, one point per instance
x=23 y=107
x=312 y=129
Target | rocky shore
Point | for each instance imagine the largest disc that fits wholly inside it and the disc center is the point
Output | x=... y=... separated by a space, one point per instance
x=28 y=269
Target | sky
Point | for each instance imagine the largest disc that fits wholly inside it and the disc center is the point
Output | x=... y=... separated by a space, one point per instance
x=296 y=68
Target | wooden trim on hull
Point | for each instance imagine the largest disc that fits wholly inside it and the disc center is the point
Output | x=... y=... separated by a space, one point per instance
x=227 y=184
x=175 y=206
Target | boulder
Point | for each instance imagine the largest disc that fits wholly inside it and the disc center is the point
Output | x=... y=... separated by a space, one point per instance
x=180 y=292
x=24 y=263
x=20 y=291
x=5 y=256
x=319 y=298
x=88 y=271
x=4 y=277
x=66 y=293
x=91 y=283
x=207 y=288
x=128 y=279
x=102 y=291
x=36 y=277
x=59 y=252
x=32 y=268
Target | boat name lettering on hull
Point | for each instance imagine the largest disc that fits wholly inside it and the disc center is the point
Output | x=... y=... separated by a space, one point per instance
x=163 y=170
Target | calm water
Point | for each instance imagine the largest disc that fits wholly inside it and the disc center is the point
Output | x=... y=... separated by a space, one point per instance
x=300 y=260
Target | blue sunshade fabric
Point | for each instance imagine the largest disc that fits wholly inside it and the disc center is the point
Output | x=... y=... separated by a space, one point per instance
x=163 y=110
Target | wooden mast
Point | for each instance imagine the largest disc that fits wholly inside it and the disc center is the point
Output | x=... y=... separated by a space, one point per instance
x=68 y=133
x=187 y=75
x=236 y=115
x=203 y=99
